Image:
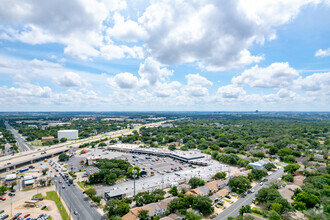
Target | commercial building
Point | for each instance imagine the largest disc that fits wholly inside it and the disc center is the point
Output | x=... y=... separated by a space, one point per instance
x=11 y=178
x=68 y=134
x=50 y=138
x=192 y=157
x=115 y=194
x=28 y=181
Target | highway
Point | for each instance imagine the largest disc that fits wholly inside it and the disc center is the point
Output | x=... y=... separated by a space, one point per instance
x=233 y=210
x=75 y=200
x=23 y=145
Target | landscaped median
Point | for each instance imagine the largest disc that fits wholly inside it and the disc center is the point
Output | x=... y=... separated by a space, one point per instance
x=52 y=195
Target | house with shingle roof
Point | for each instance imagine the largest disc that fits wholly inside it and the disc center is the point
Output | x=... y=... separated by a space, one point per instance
x=157 y=208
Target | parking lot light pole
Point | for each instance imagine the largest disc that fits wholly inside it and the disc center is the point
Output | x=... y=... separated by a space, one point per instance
x=134 y=176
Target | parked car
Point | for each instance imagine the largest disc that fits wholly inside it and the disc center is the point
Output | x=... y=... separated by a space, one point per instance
x=43 y=207
x=11 y=194
x=63 y=187
x=27 y=215
x=75 y=212
x=228 y=196
x=2 y=198
x=18 y=214
x=4 y=216
x=252 y=190
x=2 y=211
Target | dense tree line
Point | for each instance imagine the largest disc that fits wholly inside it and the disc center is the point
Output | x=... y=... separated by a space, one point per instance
x=110 y=171
x=86 y=128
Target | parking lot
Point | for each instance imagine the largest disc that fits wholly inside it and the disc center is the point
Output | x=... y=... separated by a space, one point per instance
x=166 y=173
x=154 y=164
x=16 y=204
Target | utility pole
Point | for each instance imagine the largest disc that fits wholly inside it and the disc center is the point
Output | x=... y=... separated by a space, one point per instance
x=11 y=206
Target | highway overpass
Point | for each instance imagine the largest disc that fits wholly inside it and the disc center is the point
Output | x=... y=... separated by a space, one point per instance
x=34 y=155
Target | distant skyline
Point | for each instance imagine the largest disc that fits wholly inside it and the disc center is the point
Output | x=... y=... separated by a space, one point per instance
x=162 y=55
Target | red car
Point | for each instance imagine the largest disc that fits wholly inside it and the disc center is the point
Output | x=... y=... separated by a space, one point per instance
x=27 y=215
x=60 y=181
x=2 y=198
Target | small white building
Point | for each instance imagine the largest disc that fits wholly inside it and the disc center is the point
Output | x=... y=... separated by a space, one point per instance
x=259 y=164
x=68 y=134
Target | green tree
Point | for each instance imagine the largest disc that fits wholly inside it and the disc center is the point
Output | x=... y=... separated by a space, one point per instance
x=195 y=182
x=90 y=192
x=44 y=171
x=276 y=207
x=171 y=147
x=3 y=189
x=309 y=199
x=203 y=204
x=174 y=191
x=269 y=166
x=116 y=207
x=192 y=216
x=239 y=184
x=220 y=175
x=274 y=215
x=291 y=168
x=97 y=199
x=178 y=204
x=288 y=177
x=63 y=157
x=63 y=140
x=245 y=209
x=258 y=174
x=143 y=214
x=130 y=171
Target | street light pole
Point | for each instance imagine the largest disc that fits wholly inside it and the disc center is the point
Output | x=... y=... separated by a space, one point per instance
x=134 y=176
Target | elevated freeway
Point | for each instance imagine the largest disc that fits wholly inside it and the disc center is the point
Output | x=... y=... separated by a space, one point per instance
x=36 y=154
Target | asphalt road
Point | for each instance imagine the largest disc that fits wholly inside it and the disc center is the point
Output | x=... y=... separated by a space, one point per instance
x=233 y=210
x=75 y=200
x=23 y=145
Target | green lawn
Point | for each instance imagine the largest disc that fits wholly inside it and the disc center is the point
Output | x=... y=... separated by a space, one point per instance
x=52 y=195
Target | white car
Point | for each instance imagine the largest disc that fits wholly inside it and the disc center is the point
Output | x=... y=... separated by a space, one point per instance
x=252 y=190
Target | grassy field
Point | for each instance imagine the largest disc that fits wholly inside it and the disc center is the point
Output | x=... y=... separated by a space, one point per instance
x=52 y=195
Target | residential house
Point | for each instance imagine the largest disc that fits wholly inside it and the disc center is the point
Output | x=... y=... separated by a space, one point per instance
x=157 y=208
x=259 y=164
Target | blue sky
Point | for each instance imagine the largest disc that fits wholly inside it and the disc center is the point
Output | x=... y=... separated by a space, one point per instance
x=116 y=55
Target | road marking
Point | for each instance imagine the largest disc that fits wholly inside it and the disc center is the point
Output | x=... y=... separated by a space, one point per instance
x=238 y=206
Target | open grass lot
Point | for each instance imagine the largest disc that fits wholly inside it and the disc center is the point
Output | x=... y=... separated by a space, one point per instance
x=52 y=195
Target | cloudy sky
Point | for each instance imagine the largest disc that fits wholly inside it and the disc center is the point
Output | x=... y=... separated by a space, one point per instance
x=117 y=55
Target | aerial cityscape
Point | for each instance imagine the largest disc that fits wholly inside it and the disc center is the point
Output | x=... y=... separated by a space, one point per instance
x=167 y=109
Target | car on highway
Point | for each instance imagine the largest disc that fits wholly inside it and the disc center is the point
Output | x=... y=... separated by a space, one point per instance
x=2 y=198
